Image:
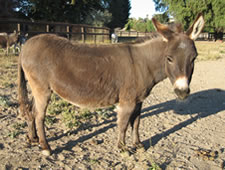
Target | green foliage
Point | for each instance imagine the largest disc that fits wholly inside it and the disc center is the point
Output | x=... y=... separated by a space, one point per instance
x=49 y=120
x=17 y=130
x=186 y=11
x=72 y=116
x=5 y=101
x=163 y=18
x=99 y=18
x=105 y=112
x=112 y=13
x=6 y=8
x=140 y=25
x=61 y=11
x=120 y=13
x=154 y=166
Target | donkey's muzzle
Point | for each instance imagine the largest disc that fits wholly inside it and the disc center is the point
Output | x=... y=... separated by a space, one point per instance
x=182 y=94
x=181 y=87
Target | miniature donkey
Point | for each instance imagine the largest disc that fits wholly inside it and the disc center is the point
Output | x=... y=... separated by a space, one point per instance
x=94 y=76
x=7 y=40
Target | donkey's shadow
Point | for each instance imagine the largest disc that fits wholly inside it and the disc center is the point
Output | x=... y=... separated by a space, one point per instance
x=200 y=105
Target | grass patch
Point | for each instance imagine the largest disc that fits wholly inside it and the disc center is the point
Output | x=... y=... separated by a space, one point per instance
x=210 y=50
x=75 y=117
x=71 y=115
x=49 y=120
x=17 y=130
x=5 y=101
x=154 y=166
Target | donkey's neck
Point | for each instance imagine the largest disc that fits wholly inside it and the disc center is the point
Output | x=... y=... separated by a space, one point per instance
x=153 y=52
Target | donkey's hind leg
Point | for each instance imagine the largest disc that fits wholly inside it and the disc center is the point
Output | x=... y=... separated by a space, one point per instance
x=41 y=102
x=32 y=133
x=41 y=95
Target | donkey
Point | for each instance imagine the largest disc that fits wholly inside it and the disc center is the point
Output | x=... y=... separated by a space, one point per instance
x=7 y=40
x=3 y=40
x=94 y=76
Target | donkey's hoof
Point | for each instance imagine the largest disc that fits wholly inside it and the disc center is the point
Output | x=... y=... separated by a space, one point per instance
x=125 y=153
x=138 y=145
x=32 y=141
x=46 y=152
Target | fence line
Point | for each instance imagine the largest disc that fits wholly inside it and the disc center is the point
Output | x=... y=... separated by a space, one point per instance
x=75 y=32
x=129 y=35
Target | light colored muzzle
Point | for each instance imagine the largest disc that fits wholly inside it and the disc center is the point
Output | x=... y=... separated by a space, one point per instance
x=181 y=87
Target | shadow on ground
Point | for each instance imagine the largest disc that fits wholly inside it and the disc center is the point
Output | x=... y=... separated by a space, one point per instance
x=200 y=105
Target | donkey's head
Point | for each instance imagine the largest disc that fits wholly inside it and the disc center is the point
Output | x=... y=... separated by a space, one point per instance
x=13 y=37
x=180 y=53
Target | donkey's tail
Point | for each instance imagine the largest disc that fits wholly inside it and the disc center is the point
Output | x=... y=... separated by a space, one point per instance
x=24 y=105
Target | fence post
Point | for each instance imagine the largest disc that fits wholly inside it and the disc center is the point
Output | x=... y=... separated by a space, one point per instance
x=82 y=34
x=68 y=32
x=95 y=36
x=18 y=27
x=47 y=28
x=103 y=31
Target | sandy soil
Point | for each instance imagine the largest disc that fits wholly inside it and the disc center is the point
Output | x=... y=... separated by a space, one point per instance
x=176 y=135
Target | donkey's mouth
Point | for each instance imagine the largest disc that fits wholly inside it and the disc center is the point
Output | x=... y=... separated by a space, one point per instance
x=182 y=94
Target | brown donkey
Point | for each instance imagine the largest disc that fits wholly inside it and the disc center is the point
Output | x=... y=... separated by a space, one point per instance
x=94 y=76
x=7 y=40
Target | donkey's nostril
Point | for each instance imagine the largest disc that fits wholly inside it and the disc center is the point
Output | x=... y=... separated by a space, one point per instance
x=182 y=94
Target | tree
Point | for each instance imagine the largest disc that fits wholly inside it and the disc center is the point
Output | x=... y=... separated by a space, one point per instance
x=140 y=25
x=120 y=13
x=112 y=13
x=7 y=8
x=163 y=18
x=185 y=12
x=60 y=10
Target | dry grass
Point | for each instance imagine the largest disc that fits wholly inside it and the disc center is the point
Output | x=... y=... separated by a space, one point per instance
x=210 y=50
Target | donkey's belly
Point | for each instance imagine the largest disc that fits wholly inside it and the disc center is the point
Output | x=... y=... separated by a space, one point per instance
x=87 y=97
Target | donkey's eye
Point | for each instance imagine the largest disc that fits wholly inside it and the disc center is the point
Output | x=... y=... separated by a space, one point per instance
x=169 y=59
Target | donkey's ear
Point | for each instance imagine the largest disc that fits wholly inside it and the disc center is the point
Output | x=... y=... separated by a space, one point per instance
x=162 y=29
x=196 y=28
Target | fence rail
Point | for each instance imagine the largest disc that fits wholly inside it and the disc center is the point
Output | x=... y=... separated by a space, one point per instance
x=75 y=32
x=79 y=32
x=130 y=35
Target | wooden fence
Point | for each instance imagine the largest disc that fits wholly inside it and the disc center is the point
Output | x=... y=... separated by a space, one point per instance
x=132 y=35
x=75 y=32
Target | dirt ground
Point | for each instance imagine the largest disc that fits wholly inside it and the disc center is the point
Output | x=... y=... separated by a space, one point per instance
x=176 y=135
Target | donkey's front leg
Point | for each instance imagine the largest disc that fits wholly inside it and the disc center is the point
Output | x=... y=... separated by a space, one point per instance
x=124 y=111
x=134 y=122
